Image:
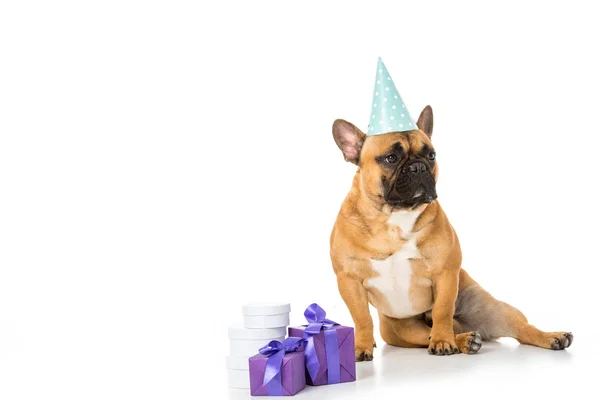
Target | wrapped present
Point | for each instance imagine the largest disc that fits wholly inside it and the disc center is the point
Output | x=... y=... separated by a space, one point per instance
x=279 y=369
x=328 y=350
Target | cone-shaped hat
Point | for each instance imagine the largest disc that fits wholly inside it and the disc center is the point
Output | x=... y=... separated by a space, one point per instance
x=388 y=112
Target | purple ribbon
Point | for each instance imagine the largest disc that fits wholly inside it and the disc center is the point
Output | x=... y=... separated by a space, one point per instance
x=315 y=316
x=276 y=350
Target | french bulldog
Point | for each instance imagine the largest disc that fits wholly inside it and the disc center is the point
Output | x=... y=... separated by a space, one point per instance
x=392 y=246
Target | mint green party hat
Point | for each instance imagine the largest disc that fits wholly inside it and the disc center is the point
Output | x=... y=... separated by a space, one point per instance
x=388 y=112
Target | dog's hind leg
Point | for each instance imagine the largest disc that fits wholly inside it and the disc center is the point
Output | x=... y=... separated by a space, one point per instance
x=476 y=309
x=414 y=332
x=409 y=332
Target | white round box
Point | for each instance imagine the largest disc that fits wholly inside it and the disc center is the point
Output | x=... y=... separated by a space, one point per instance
x=266 y=315
x=238 y=379
x=239 y=332
x=249 y=348
x=266 y=308
x=266 y=321
x=238 y=362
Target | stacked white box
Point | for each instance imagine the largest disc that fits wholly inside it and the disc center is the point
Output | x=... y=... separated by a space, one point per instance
x=263 y=322
x=266 y=315
x=244 y=342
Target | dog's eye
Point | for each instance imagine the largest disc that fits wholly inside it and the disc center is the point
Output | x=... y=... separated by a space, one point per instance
x=391 y=159
x=431 y=156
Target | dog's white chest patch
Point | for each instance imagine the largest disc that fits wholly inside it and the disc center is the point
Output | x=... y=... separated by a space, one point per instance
x=395 y=272
x=405 y=220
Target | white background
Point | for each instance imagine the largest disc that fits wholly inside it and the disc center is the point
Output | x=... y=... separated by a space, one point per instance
x=162 y=163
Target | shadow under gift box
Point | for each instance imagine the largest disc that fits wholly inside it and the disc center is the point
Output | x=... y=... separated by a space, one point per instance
x=292 y=374
x=345 y=342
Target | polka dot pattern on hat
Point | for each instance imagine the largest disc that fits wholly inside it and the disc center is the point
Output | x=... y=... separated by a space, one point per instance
x=389 y=107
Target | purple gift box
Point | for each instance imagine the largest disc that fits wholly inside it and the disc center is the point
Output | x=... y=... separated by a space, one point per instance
x=292 y=373
x=345 y=347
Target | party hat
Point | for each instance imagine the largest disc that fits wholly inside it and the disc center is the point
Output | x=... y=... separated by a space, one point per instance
x=388 y=112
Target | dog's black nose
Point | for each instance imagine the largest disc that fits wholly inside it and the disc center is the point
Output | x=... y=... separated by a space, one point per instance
x=417 y=167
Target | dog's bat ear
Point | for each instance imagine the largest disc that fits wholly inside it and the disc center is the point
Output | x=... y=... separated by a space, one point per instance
x=425 y=121
x=349 y=139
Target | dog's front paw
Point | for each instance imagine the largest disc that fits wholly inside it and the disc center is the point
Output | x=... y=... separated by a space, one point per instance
x=561 y=340
x=363 y=353
x=442 y=346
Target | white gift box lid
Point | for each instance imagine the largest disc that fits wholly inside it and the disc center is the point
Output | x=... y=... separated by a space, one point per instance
x=239 y=332
x=238 y=362
x=266 y=308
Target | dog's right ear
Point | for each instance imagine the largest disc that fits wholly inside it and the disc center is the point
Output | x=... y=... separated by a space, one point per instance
x=425 y=121
x=349 y=139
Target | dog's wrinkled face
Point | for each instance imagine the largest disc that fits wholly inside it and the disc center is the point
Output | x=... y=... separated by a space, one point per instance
x=398 y=168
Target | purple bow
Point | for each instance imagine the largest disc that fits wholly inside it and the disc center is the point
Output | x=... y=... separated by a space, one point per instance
x=276 y=350
x=315 y=316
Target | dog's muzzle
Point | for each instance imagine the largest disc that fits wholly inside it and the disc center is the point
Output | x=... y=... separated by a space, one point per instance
x=414 y=184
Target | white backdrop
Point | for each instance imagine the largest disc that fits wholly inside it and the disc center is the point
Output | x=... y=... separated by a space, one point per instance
x=162 y=163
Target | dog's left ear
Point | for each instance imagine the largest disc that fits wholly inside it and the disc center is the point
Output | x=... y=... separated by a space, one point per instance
x=349 y=139
x=425 y=121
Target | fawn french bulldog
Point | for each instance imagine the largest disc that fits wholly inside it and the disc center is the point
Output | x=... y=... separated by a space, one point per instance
x=392 y=246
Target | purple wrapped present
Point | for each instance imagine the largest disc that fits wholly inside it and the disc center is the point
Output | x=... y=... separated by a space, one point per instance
x=279 y=369
x=328 y=350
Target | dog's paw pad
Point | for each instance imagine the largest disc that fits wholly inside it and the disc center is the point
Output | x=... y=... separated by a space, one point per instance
x=562 y=341
x=469 y=343
x=475 y=342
